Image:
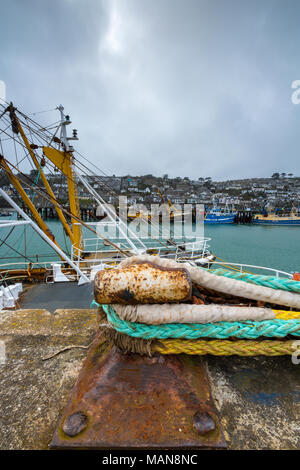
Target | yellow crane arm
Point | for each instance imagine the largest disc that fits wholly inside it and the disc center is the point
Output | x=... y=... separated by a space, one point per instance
x=63 y=161
x=14 y=180
x=46 y=184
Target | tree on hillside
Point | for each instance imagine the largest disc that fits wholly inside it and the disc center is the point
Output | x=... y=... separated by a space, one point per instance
x=275 y=175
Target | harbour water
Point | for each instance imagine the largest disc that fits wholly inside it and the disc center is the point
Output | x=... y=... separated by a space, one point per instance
x=274 y=247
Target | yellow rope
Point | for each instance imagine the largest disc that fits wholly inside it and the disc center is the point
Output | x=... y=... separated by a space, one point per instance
x=226 y=347
x=286 y=315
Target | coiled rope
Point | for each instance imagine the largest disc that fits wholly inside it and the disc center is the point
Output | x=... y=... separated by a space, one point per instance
x=221 y=330
x=260 y=280
x=215 y=347
x=186 y=338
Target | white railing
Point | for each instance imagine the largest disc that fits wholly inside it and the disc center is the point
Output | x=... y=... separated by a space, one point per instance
x=193 y=250
x=87 y=266
x=179 y=250
x=92 y=245
x=241 y=267
x=8 y=269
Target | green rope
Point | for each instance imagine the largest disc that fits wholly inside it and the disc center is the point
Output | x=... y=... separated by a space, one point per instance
x=267 y=281
x=35 y=183
x=221 y=330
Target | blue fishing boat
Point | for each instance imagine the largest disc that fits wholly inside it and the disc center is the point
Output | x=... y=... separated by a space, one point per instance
x=218 y=216
x=268 y=218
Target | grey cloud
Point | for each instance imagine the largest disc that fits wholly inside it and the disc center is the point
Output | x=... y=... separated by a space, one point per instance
x=192 y=88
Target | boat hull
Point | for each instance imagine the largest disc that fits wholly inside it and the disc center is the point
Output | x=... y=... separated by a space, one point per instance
x=294 y=222
x=219 y=219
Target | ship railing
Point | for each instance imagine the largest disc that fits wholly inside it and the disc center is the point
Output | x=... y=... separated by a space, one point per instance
x=8 y=270
x=92 y=245
x=110 y=262
x=198 y=248
x=243 y=268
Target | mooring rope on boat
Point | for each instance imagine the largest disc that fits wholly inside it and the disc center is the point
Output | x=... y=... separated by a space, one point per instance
x=273 y=282
x=222 y=330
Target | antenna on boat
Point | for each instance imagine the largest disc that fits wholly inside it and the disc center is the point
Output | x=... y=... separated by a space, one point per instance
x=65 y=121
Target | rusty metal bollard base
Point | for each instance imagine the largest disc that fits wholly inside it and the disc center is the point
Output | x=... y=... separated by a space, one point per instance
x=131 y=401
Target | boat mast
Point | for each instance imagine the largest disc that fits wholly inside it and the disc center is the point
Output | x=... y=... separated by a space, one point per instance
x=64 y=161
x=17 y=128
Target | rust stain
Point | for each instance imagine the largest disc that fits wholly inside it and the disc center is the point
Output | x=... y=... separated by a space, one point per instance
x=142 y=283
x=131 y=401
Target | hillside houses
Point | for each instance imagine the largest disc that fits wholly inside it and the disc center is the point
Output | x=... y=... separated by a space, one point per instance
x=243 y=193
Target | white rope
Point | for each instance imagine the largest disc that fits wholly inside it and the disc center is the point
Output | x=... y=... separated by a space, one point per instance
x=186 y=313
x=222 y=284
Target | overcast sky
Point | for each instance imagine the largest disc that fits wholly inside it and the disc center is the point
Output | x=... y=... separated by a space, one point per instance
x=185 y=87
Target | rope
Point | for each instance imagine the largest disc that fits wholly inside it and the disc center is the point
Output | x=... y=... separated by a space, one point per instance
x=158 y=314
x=125 y=343
x=222 y=330
x=283 y=315
x=226 y=347
x=260 y=280
x=214 y=347
x=221 y=284
x=35 y=183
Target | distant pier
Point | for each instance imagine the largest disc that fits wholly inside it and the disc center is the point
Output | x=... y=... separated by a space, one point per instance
x=87 y=214
x=243 y=217
x=90 y=214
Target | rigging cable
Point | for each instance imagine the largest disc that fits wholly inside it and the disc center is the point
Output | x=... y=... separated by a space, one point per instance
x=15 y=250
x=159 y=241
x=3 y=241
x=51 y=199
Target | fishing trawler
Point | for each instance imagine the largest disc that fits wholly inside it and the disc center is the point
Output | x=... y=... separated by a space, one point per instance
x=218 y=216
x=45 y=151
x=269 y=218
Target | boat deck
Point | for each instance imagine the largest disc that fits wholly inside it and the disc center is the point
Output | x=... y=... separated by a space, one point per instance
x=65 y=295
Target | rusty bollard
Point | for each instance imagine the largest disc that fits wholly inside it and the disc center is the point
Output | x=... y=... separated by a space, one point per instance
x=143 y=283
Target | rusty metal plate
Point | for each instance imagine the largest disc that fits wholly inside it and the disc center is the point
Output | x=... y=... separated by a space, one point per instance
x=132 y=401
x=142 y=283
